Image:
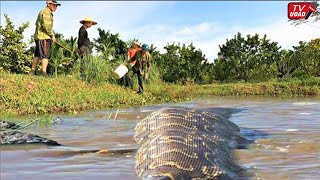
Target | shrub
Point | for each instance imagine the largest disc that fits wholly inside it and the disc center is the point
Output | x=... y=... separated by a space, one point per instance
x=14 y=57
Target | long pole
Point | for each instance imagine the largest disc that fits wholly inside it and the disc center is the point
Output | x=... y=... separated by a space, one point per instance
x=64 y=47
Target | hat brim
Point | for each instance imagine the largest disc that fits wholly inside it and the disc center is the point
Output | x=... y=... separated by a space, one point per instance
x=58 y=4
x=83 y=21
x=137 y=44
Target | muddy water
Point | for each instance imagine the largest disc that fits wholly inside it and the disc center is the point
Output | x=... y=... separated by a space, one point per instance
x=286 y=131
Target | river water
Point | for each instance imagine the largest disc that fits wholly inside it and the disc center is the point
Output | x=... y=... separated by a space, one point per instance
x=286 y=132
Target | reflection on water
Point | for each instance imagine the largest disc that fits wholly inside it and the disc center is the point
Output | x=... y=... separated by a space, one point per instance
x=287 y=135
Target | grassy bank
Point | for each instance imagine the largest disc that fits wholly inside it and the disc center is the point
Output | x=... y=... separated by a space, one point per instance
x=22 y=94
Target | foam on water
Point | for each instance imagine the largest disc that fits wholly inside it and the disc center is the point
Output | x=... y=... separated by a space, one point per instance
x=304 y=103
x=304 y=113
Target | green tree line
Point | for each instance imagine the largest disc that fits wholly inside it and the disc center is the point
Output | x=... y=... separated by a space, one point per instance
x=250 y=58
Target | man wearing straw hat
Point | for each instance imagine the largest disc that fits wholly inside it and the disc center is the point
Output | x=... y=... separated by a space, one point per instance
x=44 y=37
x=83 y=40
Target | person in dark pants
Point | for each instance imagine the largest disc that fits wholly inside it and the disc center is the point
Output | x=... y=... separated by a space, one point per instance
x=44 y=37
x=83 y=40
x=131 y=55
x=142 y=66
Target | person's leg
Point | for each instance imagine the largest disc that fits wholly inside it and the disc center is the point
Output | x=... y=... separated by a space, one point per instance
x=83 y=51
x=44 y=65
x=36 y=59
x=35 y=62
x=130 y=83
x=140 y=81
x=129 y=76
x=124 y=81
x=45 y=55
x=135 y=70
x=82 y=74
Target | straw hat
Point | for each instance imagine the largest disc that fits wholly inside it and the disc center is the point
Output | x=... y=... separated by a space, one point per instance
x=88 y=19
x=135 y=43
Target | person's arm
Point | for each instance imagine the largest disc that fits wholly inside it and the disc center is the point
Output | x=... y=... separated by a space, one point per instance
x=128 y=58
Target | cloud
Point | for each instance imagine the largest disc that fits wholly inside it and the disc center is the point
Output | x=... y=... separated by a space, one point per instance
x=112 y=15
x=209 y=35
x=286 y=34
x=203 y=27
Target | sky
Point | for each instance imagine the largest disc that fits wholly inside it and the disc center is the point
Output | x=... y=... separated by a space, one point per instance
x=207 y=23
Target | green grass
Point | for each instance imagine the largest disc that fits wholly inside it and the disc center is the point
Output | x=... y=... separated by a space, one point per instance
x=23 y=95
x=97 y=69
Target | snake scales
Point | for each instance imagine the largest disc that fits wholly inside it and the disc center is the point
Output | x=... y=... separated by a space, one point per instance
x=183 y=143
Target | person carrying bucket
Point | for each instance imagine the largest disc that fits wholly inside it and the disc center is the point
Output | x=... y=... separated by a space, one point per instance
x=132 y=52
x=141 y=66
x=131 y=55
x=83 y=41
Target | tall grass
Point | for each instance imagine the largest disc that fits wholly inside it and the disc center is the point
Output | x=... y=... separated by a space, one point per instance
x=154 y=76
x=96 y=69
x=57 y=55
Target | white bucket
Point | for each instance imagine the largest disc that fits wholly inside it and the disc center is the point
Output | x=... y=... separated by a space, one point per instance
x=120 y=71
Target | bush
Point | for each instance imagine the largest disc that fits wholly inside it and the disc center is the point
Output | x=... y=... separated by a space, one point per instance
x=245 y=57
x=62 y=61
x=154 y=76
x=14 y=57
x=182 y=64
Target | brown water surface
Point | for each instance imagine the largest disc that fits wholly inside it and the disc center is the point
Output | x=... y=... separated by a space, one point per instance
x=286 y=131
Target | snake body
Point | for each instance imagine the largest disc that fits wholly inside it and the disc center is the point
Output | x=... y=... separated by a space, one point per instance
x=183 y=143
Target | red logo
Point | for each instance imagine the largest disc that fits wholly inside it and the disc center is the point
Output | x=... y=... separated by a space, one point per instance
x=300 y=10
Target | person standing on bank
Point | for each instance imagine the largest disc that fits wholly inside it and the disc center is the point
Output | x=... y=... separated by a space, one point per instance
x=131 y=55
x=142 y=66
x=83 y=40
x=44 y=37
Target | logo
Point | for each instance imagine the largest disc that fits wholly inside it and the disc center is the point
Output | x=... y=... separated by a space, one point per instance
x=301 y=10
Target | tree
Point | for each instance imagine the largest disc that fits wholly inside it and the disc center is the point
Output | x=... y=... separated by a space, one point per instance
x=181 y=64
x=307 y=58
x=109 y=45
x=14 y=56
x=287 y=65
x=242 y=57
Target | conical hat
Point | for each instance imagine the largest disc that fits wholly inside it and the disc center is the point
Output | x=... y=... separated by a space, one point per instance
x=88 y=19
